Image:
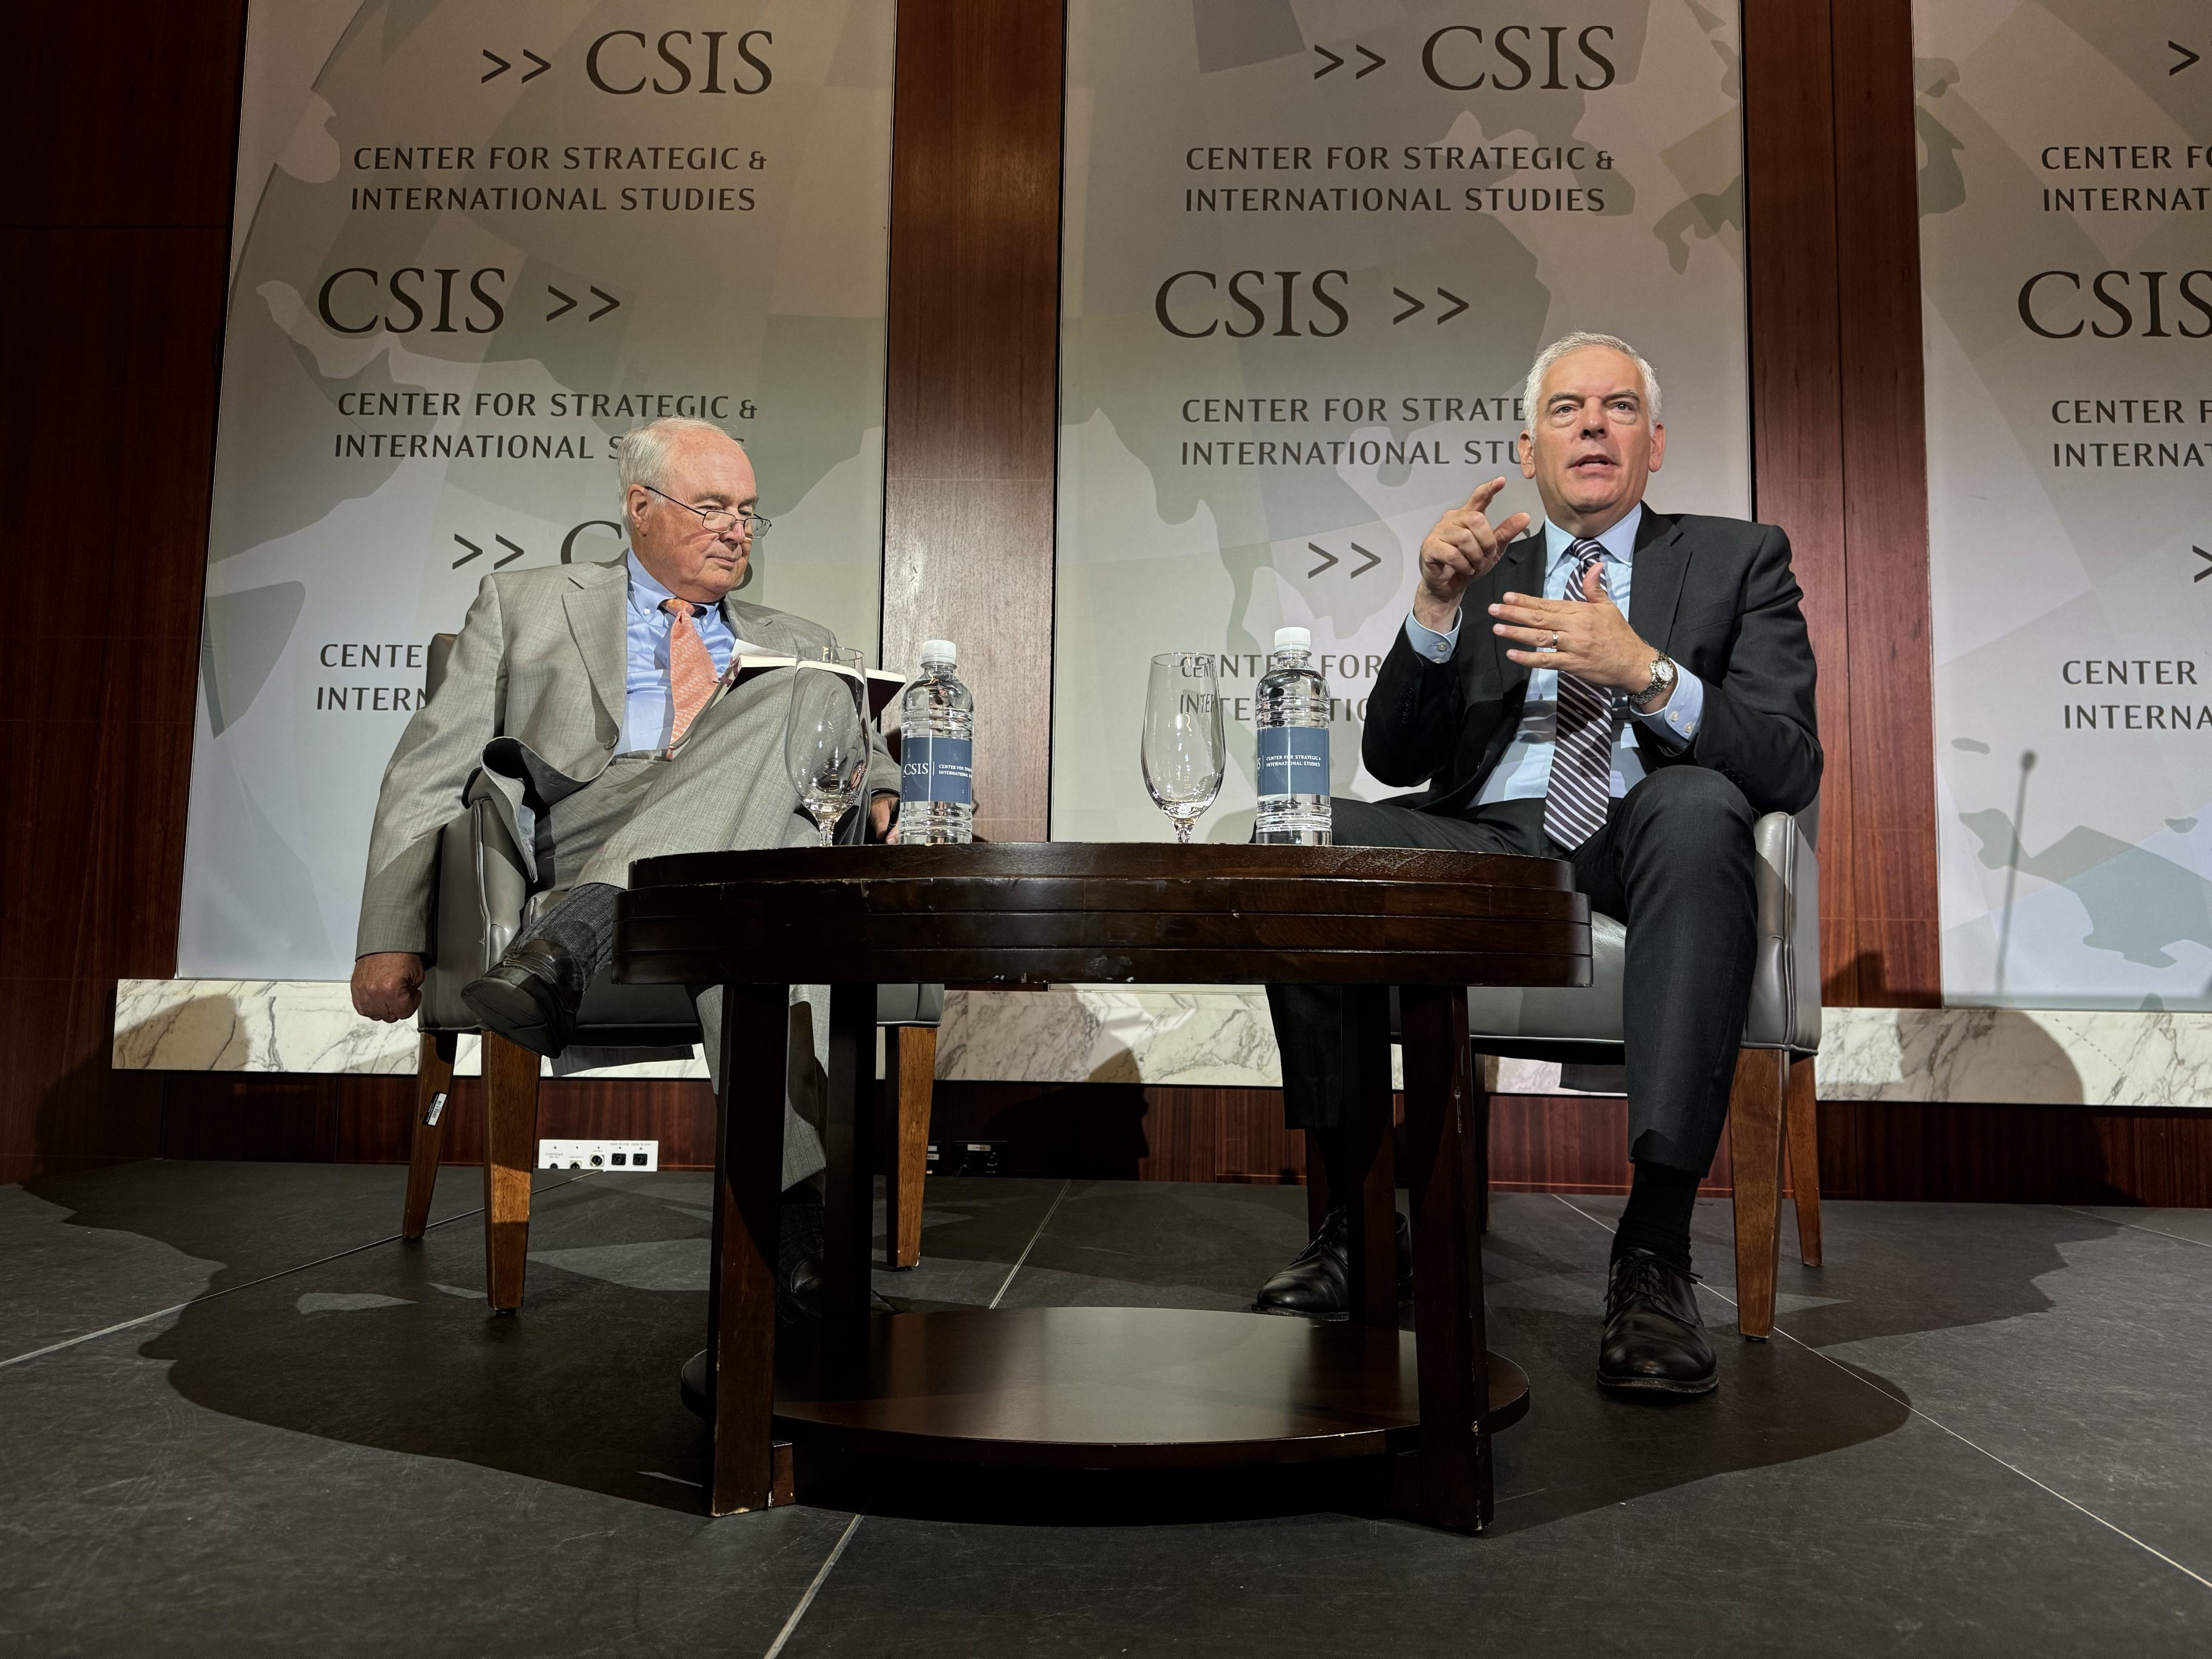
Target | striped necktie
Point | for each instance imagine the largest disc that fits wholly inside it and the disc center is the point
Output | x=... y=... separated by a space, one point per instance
x=1581 y=788
x=690 y=669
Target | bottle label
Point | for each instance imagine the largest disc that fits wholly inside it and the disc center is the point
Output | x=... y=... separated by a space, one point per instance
x=934 y=769
x=1293 y=760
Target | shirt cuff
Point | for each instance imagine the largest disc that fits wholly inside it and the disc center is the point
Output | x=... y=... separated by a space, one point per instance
x=1434 y=646
x=1676 y=724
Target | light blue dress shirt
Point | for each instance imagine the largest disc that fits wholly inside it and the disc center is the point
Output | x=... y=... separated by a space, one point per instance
x=649 y=713
x=1524 y=771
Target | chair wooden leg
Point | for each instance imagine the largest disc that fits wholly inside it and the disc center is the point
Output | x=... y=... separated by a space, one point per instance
x=913 y=1073
x=1803 y=1112
x=433 y=1086
x=1755 y=1148
x=510 y=1088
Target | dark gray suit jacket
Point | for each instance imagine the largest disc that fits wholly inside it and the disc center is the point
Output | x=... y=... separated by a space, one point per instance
x=1715 y=594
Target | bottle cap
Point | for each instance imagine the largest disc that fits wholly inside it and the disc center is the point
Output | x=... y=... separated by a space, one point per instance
x=934 y=652
x=1294 y=639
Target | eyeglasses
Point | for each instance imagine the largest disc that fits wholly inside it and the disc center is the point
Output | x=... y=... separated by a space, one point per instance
x=718 y=520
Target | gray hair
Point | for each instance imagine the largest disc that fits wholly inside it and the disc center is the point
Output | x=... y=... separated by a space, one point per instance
x=1580 y=342
x=644 y=453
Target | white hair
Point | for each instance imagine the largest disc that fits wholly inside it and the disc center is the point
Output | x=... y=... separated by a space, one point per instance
x=1582 y=342
x=644 y=453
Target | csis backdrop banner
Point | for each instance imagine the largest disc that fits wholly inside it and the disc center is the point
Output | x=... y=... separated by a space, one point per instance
x=476 y=242
x=1310 y=248
x=2066 y=251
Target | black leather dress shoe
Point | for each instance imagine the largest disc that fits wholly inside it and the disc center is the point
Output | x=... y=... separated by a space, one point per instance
x=1318 y=1285
x=530 y=997
x=1655 y=1341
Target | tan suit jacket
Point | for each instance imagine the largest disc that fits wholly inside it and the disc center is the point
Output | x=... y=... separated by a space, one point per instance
x=533 y=699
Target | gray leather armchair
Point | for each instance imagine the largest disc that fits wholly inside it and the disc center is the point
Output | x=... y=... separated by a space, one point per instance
x=484 y=898
x=1583 y=1027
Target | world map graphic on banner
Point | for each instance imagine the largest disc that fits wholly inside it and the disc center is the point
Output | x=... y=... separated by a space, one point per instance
x=1310 y=247
x=475 y=243
x=2066 y=248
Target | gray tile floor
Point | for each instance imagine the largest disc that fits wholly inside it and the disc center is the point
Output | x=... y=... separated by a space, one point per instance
x=237 y=1417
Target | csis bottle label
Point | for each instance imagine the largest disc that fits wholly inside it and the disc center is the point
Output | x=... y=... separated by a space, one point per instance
x=1293 y=761
x=934 y=769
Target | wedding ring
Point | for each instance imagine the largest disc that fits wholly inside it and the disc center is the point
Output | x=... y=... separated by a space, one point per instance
x=1554 y=645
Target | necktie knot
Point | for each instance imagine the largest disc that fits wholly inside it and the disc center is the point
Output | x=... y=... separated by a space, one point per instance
x=1588 y=555
x=682 y=610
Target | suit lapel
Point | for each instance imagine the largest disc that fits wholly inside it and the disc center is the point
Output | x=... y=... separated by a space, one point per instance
x=758 y=625
x=1520 y=571
x=1662 y=558
x=595 y=606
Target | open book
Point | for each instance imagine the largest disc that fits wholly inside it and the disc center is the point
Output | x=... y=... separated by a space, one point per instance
x=882 y=685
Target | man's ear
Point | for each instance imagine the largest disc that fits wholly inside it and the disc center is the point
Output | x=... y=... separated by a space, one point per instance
x=1525 y=446
x=1658 y=447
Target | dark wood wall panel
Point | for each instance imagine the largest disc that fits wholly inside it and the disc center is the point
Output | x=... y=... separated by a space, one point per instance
x=114 y=244
x=970 y=425
x=1885 y=505
x=1796 y=397
x=1840 y=462
x=1131 y=1132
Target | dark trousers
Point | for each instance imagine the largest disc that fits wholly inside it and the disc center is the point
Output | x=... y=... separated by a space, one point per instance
x=1674 y=865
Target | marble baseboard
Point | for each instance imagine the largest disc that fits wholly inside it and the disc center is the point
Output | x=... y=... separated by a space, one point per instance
x=1219 y=1036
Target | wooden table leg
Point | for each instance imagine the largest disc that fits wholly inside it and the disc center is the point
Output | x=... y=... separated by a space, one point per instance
x=748 y=1204
x=848 y=1194
x=510 y=1092
x=1371 y=1164
x=912 y=1053
x=1454 y=1487
x=433 y=1094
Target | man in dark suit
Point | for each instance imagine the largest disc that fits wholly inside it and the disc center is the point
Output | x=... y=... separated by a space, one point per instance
x=1626 y=689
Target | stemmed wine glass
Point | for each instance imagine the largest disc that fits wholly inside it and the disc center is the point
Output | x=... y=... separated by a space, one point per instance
x=825 y=736
x=1184 y=750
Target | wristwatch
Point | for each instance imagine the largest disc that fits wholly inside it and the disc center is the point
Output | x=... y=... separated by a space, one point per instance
x=1655 y=695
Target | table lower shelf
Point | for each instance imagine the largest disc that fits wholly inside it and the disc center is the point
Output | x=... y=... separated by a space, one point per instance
x=1116 y=1388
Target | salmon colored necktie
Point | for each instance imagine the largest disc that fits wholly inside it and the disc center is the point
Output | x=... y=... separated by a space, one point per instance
x=690 y=670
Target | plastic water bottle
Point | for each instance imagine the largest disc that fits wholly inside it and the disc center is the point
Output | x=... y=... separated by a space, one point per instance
x=1293 y=716
x=937 y=753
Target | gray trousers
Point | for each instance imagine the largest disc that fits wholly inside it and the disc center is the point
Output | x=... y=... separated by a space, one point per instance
x=724 y=789
x=1673 y=863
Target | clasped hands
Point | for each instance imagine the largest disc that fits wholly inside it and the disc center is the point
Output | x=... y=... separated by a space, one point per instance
x=1589 y=638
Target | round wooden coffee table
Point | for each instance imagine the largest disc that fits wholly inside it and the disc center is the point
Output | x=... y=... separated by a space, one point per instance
x=1109 y=1387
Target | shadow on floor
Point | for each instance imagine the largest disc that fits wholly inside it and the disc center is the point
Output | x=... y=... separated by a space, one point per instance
x=392 y=1348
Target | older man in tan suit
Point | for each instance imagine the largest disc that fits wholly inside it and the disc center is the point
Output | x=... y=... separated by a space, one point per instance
x=591 y=697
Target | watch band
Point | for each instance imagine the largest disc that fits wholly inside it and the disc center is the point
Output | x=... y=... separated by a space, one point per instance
x=1663 y=676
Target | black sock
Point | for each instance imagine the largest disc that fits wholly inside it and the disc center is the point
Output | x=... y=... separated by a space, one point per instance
x=1657 y=1218
x=583 y=925
x=1327 y=1146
